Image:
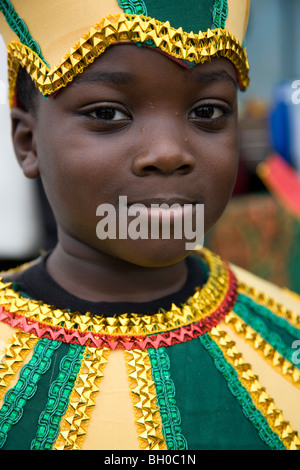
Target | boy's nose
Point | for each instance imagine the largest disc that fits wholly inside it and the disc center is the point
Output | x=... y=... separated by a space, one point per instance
x=165 y=153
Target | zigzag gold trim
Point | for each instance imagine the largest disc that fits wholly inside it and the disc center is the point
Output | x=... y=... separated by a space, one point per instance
x=278 y=309
x=17 y=349
x=260 y=398
x=199 y=306
x=199 y=48
x=75 y=421
x=273 y=357
x=144 y=400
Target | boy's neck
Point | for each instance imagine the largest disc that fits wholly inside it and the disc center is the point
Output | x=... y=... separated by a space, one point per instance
x=95 y=276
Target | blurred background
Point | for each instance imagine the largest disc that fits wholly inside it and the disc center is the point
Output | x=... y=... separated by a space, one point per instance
x=260 y=229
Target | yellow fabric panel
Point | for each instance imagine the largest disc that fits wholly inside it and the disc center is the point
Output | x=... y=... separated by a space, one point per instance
x=284 y=393
x=237 y=9
x=7 y=34
x=58 y=28
x=113 y=410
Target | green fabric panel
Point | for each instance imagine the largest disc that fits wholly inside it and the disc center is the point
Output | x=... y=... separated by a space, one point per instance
x=24 y=431
x=191 y=15
x=244 y=398
x=211 y=417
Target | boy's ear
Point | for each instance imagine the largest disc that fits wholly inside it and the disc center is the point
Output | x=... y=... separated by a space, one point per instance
x=24 y=141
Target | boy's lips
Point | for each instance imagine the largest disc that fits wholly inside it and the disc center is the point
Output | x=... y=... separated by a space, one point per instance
x=163 y=209
x=148 y=202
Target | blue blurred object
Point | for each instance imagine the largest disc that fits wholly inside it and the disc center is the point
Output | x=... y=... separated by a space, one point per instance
x=285 y=121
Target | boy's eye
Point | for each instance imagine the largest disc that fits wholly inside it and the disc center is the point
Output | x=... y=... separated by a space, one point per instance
x=108 y=114
x=207 y=112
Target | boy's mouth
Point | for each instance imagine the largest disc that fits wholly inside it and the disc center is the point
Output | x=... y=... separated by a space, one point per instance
x=153 y=218
x=163 y=209
x=162 y=201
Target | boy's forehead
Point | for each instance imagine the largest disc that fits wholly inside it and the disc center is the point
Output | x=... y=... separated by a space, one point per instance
x=56 y=44
x=124 y=64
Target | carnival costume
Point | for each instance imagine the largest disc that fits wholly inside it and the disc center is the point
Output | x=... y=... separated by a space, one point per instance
x=214 y=366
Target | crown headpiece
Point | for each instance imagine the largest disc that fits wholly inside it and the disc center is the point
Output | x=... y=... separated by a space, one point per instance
x=57 y=40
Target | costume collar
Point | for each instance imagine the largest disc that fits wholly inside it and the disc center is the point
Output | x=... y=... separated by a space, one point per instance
x=205 y=309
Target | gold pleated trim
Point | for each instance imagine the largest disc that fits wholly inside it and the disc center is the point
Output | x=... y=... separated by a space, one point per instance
x=273 y=357
x=263 y=299
x=74 y=424
x=199 y=306
x=17 y=349
x=143 y=393
x=198 y=48
x=260 y=398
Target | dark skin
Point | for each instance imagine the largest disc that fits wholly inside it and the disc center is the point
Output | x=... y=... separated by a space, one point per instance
x=138 y=124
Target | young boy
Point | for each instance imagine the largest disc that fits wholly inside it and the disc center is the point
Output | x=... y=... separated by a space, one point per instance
x=131 y=342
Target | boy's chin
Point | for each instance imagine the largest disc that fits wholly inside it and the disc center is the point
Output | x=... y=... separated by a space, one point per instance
x=152 y=253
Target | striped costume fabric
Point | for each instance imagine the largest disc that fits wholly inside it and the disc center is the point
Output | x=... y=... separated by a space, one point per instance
x=187 y=391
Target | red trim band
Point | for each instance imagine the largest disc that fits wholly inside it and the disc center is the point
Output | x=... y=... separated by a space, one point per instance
x=180 y=335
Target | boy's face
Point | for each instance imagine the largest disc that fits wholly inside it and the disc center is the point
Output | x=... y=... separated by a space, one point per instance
x=140 y=125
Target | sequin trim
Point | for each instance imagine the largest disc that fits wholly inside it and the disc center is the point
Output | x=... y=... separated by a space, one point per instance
x=262 y=401
x=198 y=48
x=123 y=342
x=262 y=299
x=269 y=353
x=133 y=7
x=73 y=427
x=58 y=399
x=143 y=394
x=165 y=390
x=201 y=311
x=219 y=14
x=16 y=351
x=248 y=311
x=17 y=397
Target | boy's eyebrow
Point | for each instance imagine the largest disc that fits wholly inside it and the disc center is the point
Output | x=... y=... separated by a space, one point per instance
x=117 y=78
x=208 y=77
x=126 y=78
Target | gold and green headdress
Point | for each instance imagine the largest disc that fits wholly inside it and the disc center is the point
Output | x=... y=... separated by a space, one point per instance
x=57 y=40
